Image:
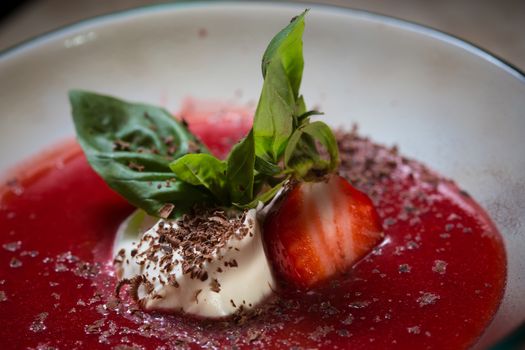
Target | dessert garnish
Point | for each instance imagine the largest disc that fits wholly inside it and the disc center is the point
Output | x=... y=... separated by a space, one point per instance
x=153 y=160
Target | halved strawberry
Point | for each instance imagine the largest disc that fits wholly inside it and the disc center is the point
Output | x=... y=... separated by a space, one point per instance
x=320 y=229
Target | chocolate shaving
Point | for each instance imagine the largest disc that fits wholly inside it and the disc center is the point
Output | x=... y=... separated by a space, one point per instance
x=193 y=147
x=134 y=284
x=120 y=145
x=203 y=276
x=135 y=166
x=166 y=210
x=196 y=297
x=198 y=237
x=172 y=280
x=215 y=286
x=231 y=263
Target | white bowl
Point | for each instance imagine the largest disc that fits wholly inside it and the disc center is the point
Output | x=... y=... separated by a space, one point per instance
x=443 y=101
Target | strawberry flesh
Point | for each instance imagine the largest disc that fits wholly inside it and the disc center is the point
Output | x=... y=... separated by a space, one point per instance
x=320 y=229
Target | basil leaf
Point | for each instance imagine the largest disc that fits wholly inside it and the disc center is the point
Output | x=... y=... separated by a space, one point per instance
x=203 y=170
x=301 y=154
x=273 y=122
x=291 y=147
x=157 y=164
x=323 y=134
x=287 y=46
x=130 y=146
x=240 y=170
x=305 y=117
x=263 y=197
x=266 y=168
x=282 y=67
x=300 y=106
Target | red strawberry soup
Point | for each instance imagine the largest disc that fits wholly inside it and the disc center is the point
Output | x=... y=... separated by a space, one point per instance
x=363 y=248
x=419 y=289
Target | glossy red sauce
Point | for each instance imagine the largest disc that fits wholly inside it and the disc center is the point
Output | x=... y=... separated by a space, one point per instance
x=219 y=124
x=435 y=282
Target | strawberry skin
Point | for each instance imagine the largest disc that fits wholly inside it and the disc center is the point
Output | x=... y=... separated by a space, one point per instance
x=321 y=229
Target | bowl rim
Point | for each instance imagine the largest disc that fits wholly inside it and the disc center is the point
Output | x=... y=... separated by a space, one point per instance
x=25 y=46
x=39 y=39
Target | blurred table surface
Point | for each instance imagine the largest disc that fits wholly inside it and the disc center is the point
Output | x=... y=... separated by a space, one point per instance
x=497 y=26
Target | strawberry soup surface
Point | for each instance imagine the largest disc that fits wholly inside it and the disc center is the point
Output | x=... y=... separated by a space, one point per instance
x=435 y=281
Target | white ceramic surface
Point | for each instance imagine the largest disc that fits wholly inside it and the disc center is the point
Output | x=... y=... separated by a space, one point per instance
x=442 y=101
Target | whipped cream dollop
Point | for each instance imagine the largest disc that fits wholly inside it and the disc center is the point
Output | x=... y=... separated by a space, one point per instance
x=208 y=265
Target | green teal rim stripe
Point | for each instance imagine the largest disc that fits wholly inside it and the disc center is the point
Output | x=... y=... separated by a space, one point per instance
x=514 y=341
